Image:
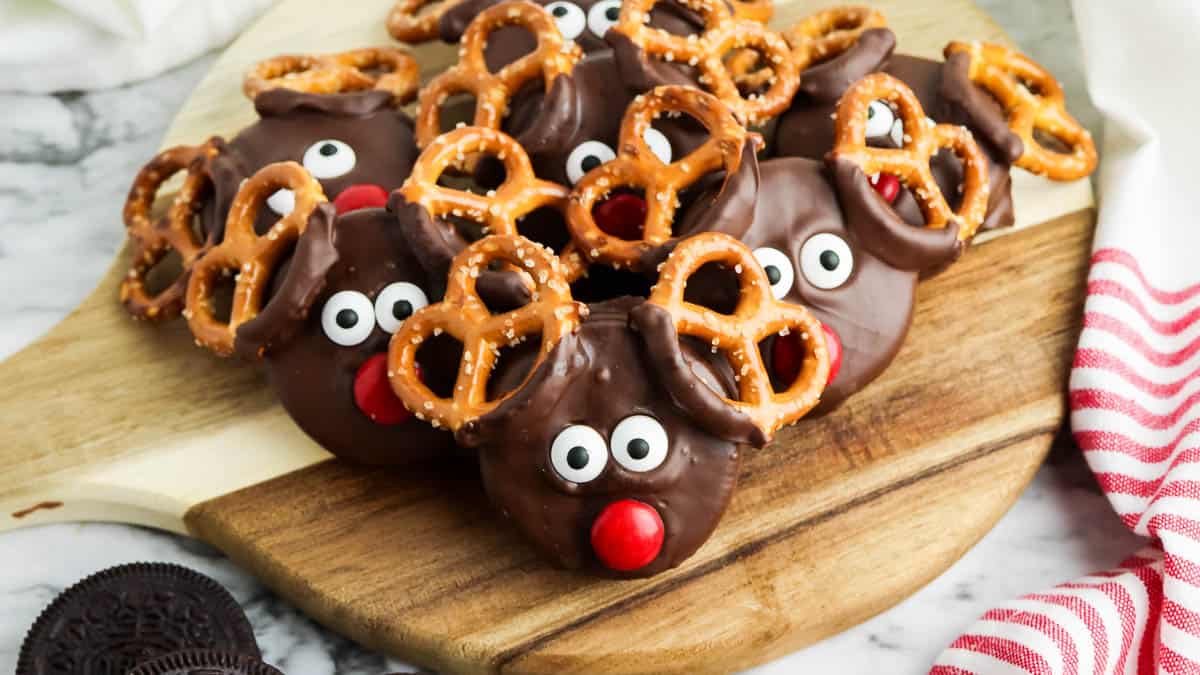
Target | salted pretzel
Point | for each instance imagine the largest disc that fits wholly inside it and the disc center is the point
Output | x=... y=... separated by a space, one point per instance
x=752 y=10
x=338 y=73
x=706 y=52
x=815 y=38
x=910 y=164
x=407 y=24
x=637 y=167
x=498 y=211
x=552 y=314
x=151 y=241
x=250 y=257
x=758 y=315
x=552 y=57
x=1033 y=101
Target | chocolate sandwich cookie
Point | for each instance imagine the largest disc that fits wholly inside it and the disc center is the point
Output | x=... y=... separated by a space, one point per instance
x=205 y=662
x=117 y=619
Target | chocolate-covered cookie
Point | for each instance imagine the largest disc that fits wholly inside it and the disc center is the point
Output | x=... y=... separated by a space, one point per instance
x=324 y=334
x=205 y=662
x=117 y=619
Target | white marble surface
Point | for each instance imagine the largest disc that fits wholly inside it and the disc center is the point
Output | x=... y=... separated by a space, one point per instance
x=65 y=163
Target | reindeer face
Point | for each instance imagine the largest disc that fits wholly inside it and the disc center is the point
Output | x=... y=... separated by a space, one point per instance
x=592 y=453
x=358 y=283
x=806 y=130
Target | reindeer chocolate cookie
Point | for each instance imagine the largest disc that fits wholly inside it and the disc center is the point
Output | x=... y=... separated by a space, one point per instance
x=613 y=439
x=328 y=113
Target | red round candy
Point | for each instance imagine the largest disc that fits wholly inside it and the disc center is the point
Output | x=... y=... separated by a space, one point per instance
x=788 y=353
x=373 y=393
x=887 y=185
x=621 y=215
x=360 y=196
x=627 y=535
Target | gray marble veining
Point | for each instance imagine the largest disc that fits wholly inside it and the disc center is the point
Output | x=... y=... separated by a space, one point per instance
x=65 y=164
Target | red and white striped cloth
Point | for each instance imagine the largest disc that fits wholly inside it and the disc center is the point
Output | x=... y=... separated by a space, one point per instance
x=1135 y=386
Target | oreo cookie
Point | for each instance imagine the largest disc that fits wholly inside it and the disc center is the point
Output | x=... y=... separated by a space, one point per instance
x=117 y=619
x=205 y=662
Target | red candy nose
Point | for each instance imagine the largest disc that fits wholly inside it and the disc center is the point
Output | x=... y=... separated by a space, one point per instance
x=621 y=215
x=887 y=185
x=360 y=196
x=627 y=535
x=788 y=354
x=373 y=393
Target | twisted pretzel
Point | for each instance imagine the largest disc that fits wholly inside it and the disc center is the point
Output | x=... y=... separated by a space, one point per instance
x=815 y=38
x=498 y=211
x=758 y=315
x=404 y=24
x=552 y=57
x=922 y=139
x=150 y=242
x=463 y=315
x=752 y=10
x=338 y=73
x=636 y=166
x=722 y=35
x=250 y=257
x=1032 y=100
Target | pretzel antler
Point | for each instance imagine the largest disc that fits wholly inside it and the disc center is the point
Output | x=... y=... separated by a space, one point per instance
x=252 y=258
x=150 y=242
x=1033 y=101
x=463 y=315
x=406 y=24
x=552 y=57
x=758 y=315
x=500 y=209
x=922 y=139
x=338 y=73
x=816 y=38
x=636 y=166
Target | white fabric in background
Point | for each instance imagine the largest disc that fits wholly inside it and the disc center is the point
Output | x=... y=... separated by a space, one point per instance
x=57 y=45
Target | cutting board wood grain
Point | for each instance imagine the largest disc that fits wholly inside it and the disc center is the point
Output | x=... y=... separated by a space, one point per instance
x=107 y=419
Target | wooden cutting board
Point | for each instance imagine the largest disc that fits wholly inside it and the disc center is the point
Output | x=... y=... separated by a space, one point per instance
x=108 y=419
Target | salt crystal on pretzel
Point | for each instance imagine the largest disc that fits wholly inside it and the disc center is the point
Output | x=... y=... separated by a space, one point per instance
x=338 y=73
x=1033 y=101
x=910 y=164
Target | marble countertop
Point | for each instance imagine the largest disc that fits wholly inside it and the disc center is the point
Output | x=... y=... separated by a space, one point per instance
x=65 y=164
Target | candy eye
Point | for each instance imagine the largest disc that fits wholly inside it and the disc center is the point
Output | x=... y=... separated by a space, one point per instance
x=658 y=144
x=639 y=443
x=348 y=318
x=826 y=260
x=585 y=157
x=879 y=119
x=778 y=268
x=602 y=16
x=329 y=159
x=282 y=201
x=579 y=454
x=569 y=17
x=397 y=302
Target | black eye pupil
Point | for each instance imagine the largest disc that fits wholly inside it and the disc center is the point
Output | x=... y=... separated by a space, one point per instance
x=773 y=274
x=638 y=448
x=870 y=112
x=577 y=457
x=347 y=318
x=402 y=309
x=560 y=11
x=612 y=13
x=328 y=150
x=590 y=162
x=830 y=260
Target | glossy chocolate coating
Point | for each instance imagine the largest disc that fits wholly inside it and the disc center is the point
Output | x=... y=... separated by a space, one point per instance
x=291 y=122
x=598 y=376
x=806 y=129
x=313 y=376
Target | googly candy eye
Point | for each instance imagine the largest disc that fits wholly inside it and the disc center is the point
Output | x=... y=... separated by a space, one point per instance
x=348 y=318
x=329 y=158
x=826 y=260
x=602 y=16
x=879 y=119
x=658 y=144
x=396 y=302
x=587 y=156
x=579 y=454
x=779 y=270
x=569 y=17
x=640 y=443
